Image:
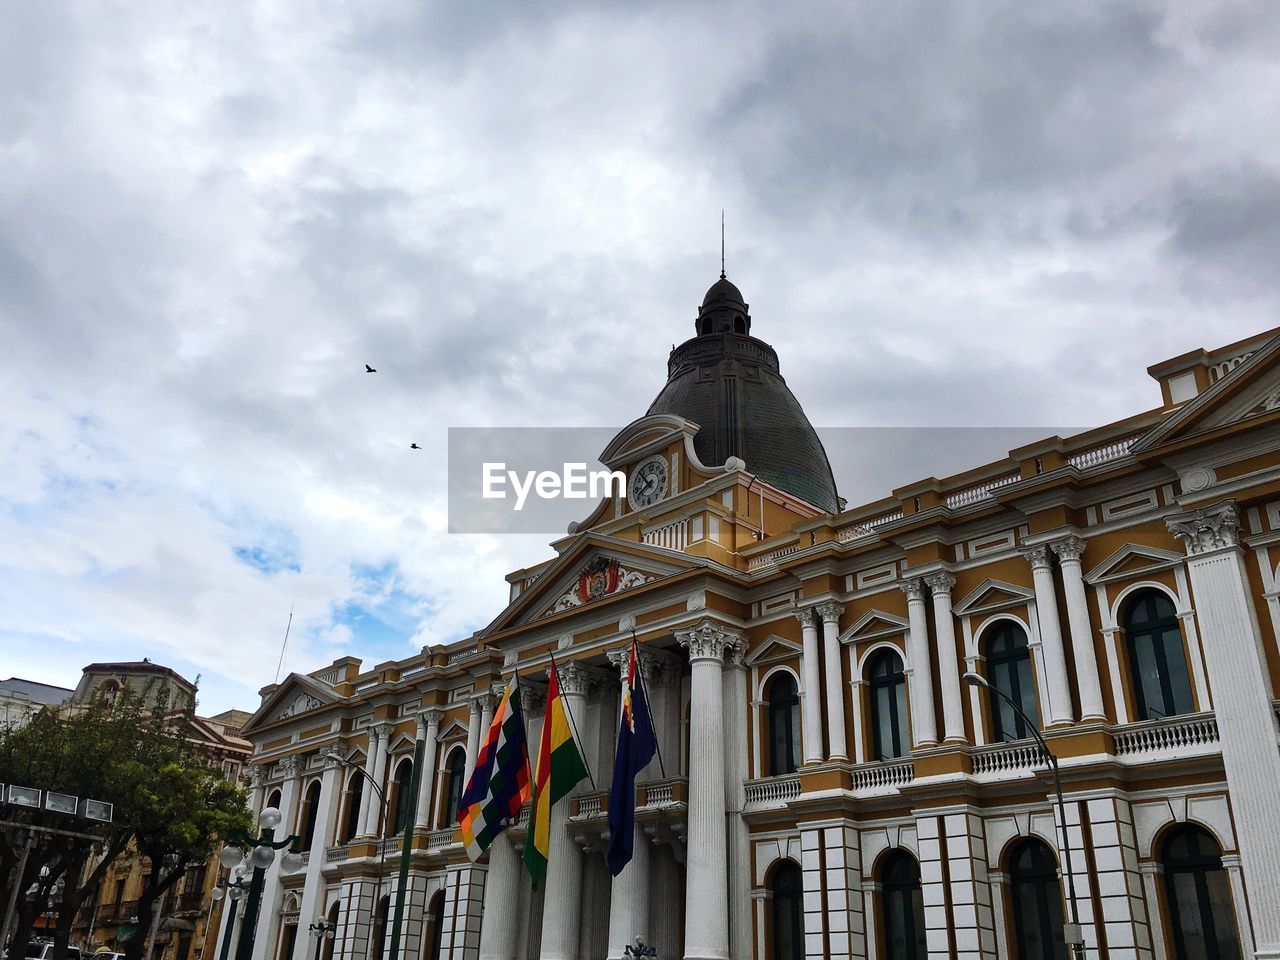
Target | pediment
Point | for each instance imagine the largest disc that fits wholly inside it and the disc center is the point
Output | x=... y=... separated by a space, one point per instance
x=873 y=625
x=993 y=595
x=1251 y=390
x=773 y=648
x=595 y=569
x=644 y=436
x=402 y=742
x=296 y=696
x=1131 y=560
x=454 y=728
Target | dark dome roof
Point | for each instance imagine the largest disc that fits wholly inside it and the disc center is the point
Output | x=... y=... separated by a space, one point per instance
x=723 y=290
x=728 y=383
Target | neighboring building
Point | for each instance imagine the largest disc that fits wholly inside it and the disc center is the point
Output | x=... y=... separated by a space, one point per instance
x=143 y=677
x=20 y=700
x=184 y=918
x=832 y=787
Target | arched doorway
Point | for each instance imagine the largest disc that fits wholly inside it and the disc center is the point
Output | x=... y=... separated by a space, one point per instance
x=783 y=697
x=1037 y=902
x=902 y=908
x=1198 y=896
x=786 y=906
x=435 y=923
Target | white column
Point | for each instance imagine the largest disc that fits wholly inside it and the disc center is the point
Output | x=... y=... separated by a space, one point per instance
x=1055 y=655
x=736 y=768
x=706 y=934
x=1246 y=722
x=372 y=824
x=562 y=905
x=312 y=907
x=1239 y=902
x=811 y=695
x=941 y=584
x=837 y=745
x=924 y=725
x=429 y=721
x=488 y=704
x=1151 y=887
x=473 y=737
x=265 y=943
x=499 y=929
x=1069 y=552
x=629 y=898
x=629 y=901
x=369 y=796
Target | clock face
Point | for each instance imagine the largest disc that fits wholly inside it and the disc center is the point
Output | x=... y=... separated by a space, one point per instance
x=648 y=482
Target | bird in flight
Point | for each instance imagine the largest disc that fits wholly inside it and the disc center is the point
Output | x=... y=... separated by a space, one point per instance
x=414 y=446
x=369 y=369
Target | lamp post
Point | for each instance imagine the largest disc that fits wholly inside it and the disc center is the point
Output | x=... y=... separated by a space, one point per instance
x=262 y=853
x=639 y=950
x=1072 y=933
x=382 y=852
x=322 y=930
x=235 y=888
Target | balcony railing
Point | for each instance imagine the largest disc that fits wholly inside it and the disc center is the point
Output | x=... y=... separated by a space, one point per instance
x=1105 y=453
x=1181 y=734
x=665 y=793
x=335 y=854
x=772 y=791
x=880 y=776
x=962 y=498
x=439 y=839
x=1018 y=757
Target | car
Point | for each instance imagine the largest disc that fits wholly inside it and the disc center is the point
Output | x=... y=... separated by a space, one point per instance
x=43 y=950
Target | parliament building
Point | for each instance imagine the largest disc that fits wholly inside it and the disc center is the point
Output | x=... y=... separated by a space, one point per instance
x=850 y=701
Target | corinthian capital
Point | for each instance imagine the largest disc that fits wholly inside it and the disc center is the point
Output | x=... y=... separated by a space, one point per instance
x=577 y=678
x=532 y=699
x=708 y=640
x=913 y=588
x=804 y=616
x=1040 y=557
x=941 y=582
x=830 y=611
x=331 y=756
x=1209 y=529
x=431 y=717
x=1069 y=548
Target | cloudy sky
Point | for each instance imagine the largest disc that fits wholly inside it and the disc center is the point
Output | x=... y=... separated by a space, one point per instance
x=212 y=215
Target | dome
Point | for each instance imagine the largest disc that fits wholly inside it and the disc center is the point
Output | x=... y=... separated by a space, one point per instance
x=729 y=383
x=723 y=290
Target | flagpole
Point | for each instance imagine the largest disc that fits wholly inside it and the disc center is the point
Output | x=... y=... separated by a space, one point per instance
x=657 y=745
x=573 y=727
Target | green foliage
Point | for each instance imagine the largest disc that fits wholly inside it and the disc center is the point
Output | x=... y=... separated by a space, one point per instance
x=169 y=803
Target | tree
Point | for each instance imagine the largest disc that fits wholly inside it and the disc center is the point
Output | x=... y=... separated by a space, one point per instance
x=136 y=754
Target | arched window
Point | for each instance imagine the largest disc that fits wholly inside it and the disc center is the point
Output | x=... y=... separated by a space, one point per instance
x=786 y=888
x=1198 y=896
x=331 y=935
x=310 y=810
x=784 y=724
x=355 y=797
x=1157 y=662
x=402 y=812
x=888 y=705
x=1009 y=671
x=379 y=932
x=273 y=800
x=455 y=780
x=902 y=908
x=1037 y=902
x=435 y=917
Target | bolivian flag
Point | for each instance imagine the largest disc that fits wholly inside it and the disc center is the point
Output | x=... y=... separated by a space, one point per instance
x=560 y=767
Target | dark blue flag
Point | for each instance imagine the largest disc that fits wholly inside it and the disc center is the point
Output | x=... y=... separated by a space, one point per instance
x=636 y=747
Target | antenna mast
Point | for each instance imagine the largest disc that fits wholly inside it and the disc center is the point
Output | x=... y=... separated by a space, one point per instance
x=722 y=276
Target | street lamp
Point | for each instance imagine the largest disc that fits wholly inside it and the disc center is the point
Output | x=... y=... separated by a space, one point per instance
x=262 y=853
x=382 y=849
x=235 y=888
x=1072 y=933
x=322 y=931
x=639 y=950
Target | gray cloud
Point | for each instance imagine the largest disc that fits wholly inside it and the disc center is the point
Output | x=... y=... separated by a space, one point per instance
x=211 y=218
